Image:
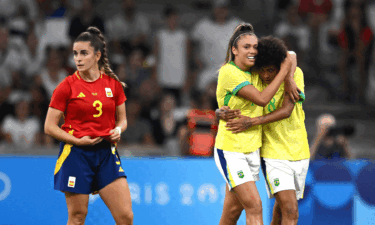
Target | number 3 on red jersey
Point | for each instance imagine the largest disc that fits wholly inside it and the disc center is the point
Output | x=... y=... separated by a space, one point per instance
x=98 y=104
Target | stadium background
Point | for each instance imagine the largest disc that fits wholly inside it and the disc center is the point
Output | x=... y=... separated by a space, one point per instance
x=169 y=186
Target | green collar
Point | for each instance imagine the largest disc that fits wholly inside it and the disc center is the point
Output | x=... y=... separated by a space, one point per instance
x=233 y=64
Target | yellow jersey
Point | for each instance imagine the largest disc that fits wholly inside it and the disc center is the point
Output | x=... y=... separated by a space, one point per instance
x=231 y=79
x=286 y=139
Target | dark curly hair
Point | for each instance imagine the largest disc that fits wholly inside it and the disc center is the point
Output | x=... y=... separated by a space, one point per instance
x=272 y=51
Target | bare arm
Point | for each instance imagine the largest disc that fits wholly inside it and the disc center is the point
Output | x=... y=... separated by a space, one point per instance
x=281 y=113
x=121 y=122
x=250 y=93
x=317 y=141
x=245 y=122
x=290 y=85
x=51 y=128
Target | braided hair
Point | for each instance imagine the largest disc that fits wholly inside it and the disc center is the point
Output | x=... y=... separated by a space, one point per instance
x=96 y=38
x=240 y=30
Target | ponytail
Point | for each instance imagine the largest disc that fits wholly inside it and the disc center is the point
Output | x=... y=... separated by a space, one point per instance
x=240 y=30
x=96 y=38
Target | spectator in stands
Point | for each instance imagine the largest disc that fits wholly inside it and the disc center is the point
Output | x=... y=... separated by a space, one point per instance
x=212 y=35
x=331 y=142
x=53 y=73
x=139 y=131
x=135 y=72
x=33 y=55
x=208 y=98
x=85 y=19
x=129 y=29
x=8 y=8
x=19 y=23
x=295 y=33
x=21 y=130
x=356 y=42
x=38 y=108
x=165 y=125
x=10 y=56
x=328 y=34
x=8 y=63
x=172 y=51
x=315 y=13
x=197 y=135
x=149 y=96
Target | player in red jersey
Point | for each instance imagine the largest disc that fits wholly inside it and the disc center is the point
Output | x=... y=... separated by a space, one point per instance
x=92 y=101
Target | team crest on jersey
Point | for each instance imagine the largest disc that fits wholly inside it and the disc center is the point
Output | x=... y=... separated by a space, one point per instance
x=72 y=182
x=108 y=92
x=240 y=174
x=276 y=182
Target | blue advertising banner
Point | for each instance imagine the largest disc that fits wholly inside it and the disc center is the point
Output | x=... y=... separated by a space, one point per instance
x=163 y=191
x=184 y=191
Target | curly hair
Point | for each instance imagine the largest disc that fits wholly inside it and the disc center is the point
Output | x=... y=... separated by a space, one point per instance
x=272 y=51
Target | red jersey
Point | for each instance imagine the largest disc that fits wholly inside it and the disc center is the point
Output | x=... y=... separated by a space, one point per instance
x=89 y=107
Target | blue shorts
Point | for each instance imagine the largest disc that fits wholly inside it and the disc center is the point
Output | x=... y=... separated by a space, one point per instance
x=87 y=169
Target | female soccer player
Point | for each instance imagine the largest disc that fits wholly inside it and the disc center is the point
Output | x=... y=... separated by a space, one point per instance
x=285 y=151
x=237 y=155
x=92 y=101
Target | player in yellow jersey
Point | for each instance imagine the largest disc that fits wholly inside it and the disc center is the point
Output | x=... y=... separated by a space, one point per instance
x=237 y=155
x=285 y=152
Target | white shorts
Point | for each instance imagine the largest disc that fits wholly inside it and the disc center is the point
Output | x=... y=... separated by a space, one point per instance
x=238 y=168
x=281 y=175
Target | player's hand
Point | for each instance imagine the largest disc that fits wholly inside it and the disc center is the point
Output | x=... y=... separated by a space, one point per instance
x=291 y=89
x=324 y=122
x=86 y=140
x=114 y=136
x=238 y=125
x=287 y=63
x=225 y=113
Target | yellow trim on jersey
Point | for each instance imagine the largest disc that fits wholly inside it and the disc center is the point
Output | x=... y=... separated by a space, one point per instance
x=65 y=153
x=231 y=181
x=76 y=73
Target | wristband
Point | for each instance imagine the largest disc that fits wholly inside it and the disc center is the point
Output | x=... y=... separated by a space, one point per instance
x=118 y=129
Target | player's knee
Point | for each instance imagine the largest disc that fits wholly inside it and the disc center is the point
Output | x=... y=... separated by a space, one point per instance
x=235 y=212
x=125 y=218
x=78 y=217
x=254 y=207
x=290 y=211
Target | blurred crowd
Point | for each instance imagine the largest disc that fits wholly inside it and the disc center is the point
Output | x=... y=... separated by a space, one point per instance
x=170 y=67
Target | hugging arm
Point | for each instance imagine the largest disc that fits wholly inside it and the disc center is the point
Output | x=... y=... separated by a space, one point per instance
x=250 y=93
x=245 y=122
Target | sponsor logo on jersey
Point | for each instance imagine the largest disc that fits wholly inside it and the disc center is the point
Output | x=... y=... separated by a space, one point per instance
x=94 y=94
x=240 y=174
x=276 y=182
x=72 y=182
x=121 y=170
x=81 y=95
x=108 y=92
